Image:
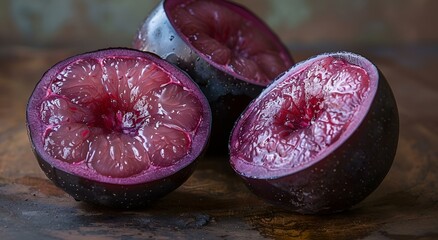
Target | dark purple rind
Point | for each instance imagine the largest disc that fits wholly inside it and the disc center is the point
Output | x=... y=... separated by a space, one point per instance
x=227 y=94
x=112 y=195
x=351 y=172
x=91 y=187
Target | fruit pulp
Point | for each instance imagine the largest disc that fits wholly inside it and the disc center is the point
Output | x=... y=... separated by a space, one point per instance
x=229 y=40
x=303 y=115
x=118 y=116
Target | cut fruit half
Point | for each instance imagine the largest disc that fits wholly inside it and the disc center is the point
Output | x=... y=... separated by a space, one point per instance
x=117 y=127
x=320 y=138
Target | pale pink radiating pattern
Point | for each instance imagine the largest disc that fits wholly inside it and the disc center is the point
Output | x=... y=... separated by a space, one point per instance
x=303 y=114
x=119 y=116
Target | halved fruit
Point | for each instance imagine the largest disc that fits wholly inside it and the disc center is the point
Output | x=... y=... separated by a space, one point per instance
x=117 y=127
x=225 y=48
x=320 y=138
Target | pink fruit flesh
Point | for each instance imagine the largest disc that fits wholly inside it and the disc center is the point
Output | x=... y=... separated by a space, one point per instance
x=119 y=116
x=230 y=40
x=302 y=116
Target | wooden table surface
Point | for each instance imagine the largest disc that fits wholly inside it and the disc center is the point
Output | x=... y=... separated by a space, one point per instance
x=214 y=203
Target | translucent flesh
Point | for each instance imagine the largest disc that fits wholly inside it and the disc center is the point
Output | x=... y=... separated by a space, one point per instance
x=118 y=116
x=231 y=40
x=302 y=115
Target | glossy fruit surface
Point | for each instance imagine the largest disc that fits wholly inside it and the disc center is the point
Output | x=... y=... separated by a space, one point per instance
x=117 y=127
x=320 y=138
x=224 y=47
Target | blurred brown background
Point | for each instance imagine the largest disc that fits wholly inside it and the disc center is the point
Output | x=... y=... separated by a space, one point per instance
x=91 y=24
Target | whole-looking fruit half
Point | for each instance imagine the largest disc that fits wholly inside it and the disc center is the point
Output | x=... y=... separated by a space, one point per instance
x=224 y=47
x=321 y=138
x=117 y=127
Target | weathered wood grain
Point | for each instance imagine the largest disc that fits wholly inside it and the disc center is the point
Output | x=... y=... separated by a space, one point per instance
x=214 y=203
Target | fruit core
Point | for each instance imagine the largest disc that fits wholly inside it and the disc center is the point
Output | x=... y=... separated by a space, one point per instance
x=302 y=115
x=230 y=40
x=118 y=115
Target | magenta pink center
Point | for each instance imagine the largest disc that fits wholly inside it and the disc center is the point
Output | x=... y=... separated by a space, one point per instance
x=300 y=117
x=118 y=116
x=303 y=115
x=230 y=40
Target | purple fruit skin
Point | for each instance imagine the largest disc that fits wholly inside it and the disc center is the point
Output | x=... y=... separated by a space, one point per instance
x=122 y=196
x=113 y=192
x=228 y=95
x=351 y=172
